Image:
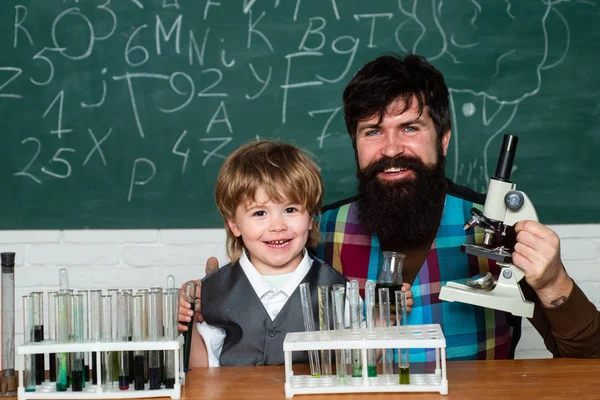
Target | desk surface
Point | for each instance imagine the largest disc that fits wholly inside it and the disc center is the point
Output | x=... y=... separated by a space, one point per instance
x=510 y=379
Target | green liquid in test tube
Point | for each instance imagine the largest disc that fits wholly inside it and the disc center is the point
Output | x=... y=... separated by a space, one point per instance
x=62 y=336
x=353 y=297
x=402 y=320
x=370 y=314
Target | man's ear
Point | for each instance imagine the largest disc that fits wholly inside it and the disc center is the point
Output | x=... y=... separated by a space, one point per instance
x=446 y=141
x=234 y=228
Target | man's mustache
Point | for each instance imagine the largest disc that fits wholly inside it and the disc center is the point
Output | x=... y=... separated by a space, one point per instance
x=399 y=161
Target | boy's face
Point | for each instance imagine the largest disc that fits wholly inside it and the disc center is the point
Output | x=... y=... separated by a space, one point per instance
x=273 y=233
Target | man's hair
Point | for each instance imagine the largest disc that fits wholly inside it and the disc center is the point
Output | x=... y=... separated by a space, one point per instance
x=390 y=77
x=282 y=170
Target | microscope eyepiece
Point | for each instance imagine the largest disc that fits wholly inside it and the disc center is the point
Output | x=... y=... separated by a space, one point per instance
x=506 y=158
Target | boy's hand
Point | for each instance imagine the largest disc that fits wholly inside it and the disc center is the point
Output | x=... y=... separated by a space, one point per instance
x=186 y=313
x=409 y=296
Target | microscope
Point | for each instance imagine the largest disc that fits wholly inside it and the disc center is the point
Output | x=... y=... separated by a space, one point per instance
x=504 y=207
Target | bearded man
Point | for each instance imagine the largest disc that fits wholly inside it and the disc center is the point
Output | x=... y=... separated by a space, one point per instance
x=398 y=117
x=397 y=114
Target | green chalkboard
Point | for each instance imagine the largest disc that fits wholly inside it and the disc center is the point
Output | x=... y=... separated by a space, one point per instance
x=118 y=113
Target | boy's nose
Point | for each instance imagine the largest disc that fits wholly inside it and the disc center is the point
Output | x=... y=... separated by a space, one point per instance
x=277 y=225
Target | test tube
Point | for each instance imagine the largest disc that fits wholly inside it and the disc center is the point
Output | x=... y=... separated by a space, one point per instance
x=52 y=333
x=38 y=333
x=114 y=293
x=338 y=295
x=160 y=328
x=95 y=328
x=63 y=280
x=64 y=288
x=9 y=381
x=154 y=335
x=171 y=308
x=77 y=382
x=62 y=336
x=370 y=314
x=402 y=320
x=106 y=333
x=190 y=296
x=353 y=297
x=387 y=357
x=144 y=293
x=170 y=282
x=309 y=326
x=86 y=332
x=123 y=336
x=139 y=355
x=323 y=297
x=29 y=337
x=129 y=293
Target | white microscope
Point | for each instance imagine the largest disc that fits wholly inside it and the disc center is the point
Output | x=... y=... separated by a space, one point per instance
x=504 y=206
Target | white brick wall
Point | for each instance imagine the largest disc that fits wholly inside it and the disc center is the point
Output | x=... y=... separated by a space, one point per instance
x=144 y=258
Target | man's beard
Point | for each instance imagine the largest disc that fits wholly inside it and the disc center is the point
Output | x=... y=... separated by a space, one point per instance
x=404 y=214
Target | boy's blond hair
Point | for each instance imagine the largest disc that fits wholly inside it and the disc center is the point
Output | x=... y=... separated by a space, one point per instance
x=282 y=170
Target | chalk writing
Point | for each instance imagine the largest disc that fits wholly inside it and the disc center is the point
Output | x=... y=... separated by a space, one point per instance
x=134 y=104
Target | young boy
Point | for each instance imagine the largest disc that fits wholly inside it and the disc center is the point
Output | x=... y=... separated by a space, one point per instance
x=268 y=193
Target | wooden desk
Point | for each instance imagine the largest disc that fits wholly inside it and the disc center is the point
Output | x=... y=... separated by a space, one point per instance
x=547 y=379
x=511 y=379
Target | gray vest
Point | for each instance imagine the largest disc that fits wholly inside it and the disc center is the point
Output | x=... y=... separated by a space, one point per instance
x=229 y=302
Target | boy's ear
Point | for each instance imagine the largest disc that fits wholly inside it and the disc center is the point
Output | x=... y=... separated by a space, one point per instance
x=234 y=228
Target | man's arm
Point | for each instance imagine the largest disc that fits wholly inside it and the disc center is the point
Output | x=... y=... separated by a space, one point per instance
x=567 y=321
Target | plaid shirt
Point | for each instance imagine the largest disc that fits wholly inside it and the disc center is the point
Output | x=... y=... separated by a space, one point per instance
x=471 y=332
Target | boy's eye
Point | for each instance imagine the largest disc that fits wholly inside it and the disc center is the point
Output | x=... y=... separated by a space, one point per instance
x=291 y=210
x=259 y=213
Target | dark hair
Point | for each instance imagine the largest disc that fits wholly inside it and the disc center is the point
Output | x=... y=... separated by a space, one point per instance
x=390 y=77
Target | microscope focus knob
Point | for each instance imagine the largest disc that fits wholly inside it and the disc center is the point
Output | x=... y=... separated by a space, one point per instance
x=514 y=199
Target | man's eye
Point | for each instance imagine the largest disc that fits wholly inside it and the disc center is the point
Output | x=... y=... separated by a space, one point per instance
x=372 y=133
x=410 y=129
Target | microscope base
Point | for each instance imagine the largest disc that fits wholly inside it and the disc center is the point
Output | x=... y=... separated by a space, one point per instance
x=505 y=296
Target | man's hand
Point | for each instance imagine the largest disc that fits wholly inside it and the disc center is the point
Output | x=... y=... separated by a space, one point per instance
x=185 y=308
x=409 y=297
x=537 y=252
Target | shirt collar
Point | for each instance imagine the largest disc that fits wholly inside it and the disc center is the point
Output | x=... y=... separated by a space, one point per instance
x=261 y=287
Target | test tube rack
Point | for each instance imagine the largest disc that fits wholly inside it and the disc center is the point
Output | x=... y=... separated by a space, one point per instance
x=404 y=337
x=48 y=389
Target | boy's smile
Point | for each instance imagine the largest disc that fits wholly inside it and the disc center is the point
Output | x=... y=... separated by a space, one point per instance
x=274 y=233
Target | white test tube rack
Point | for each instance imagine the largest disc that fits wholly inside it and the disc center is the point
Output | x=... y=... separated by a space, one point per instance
x=47 y=390
x=404 y=337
